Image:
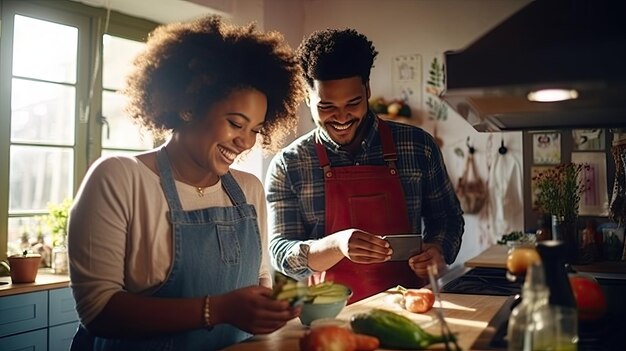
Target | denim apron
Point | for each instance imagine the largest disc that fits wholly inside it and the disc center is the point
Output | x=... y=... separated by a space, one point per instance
x=215 y=250
x=368 y=198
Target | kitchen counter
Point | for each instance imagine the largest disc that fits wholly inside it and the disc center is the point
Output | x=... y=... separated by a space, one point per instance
x=44 y=281
x=495 y=257
x=467 y=315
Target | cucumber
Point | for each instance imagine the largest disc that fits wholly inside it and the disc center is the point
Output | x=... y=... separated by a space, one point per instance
x=393 y=330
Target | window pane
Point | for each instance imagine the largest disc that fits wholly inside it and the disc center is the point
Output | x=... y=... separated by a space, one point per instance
x=42 y=112
x=118 y=54
x=39 y=175
x=24 y=234
x=106 y=153
x=122 y=132
x=44 y=50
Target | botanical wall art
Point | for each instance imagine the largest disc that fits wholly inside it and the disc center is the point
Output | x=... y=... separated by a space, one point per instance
x=407 y=79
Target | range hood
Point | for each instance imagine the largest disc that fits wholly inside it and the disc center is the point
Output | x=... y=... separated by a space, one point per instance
x=568 y=44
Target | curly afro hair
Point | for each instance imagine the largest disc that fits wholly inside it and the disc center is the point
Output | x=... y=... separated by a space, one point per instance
x=187 y=67
x=335 y=54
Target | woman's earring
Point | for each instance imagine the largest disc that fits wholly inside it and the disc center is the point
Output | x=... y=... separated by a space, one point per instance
x=186 y=116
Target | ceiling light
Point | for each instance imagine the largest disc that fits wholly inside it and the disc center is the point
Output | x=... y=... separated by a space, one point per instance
x=552 y=95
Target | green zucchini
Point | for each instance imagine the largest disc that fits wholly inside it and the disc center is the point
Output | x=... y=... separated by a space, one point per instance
x=393 y=330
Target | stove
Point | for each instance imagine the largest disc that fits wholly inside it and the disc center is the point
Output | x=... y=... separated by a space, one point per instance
x=483 y=281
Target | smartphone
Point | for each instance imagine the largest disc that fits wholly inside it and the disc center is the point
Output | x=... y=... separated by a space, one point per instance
x=404 y=246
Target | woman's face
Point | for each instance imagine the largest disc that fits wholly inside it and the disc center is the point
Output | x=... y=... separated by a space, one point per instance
x=229 y=128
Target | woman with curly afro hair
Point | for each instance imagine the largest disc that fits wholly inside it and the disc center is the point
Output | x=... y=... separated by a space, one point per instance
x=168 y=248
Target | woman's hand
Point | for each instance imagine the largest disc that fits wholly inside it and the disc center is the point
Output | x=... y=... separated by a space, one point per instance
x=252 y=309
x=431 y=255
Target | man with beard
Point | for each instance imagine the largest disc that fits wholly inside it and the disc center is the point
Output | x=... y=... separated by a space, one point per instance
x=334 y=192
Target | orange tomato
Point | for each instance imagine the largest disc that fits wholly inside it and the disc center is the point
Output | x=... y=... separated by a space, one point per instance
x=520 y=258
x=590 y=299
x=419 y=300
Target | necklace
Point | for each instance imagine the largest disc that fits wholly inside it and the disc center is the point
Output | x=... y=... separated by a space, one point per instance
x=200 y=190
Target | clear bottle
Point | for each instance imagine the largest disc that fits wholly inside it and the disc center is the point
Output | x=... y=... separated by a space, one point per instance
x=530 y=323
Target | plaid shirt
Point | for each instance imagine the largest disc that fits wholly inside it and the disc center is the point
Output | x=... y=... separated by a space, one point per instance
x=295 y=192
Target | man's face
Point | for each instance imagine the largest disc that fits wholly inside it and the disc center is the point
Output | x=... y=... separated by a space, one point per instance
x=338 y=106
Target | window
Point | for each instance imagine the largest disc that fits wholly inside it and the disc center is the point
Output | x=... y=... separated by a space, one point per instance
x=118 y=54
x=58 y=112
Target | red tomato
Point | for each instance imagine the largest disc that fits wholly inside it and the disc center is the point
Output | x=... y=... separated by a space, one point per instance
x=590 y=299
x=419 y=300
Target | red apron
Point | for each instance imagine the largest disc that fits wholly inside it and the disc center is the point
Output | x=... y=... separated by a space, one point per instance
x=369 y=198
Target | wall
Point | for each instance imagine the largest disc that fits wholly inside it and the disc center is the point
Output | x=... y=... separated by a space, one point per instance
x=406 y=27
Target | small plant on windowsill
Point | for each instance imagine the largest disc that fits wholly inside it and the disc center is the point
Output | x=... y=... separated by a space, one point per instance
x=57 y=220
x=23 y=267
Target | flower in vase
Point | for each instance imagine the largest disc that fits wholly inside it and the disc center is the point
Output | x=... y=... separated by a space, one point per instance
x=560 y=188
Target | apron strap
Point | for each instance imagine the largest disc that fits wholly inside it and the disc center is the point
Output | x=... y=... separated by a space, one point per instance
x=233 y=189
x=167 y=180
x=389 y=149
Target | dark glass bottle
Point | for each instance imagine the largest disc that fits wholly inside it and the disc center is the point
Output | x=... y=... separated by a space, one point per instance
x=553 y=254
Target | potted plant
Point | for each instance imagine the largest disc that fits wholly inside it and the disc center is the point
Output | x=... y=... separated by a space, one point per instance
x=23 y=267
x=57 y=220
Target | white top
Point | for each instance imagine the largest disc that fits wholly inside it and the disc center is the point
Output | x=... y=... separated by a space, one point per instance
x=119 y=236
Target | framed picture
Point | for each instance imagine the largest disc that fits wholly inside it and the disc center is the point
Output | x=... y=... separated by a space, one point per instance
x=534 y=172
x=547 y=148
x=407 y=79
x=595 y=200
x=588 y=139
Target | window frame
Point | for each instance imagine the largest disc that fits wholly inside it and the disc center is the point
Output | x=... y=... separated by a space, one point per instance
x=91 y=22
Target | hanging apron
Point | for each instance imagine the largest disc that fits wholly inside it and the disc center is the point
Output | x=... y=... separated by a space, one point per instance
x=369 y=198
x=215 y=250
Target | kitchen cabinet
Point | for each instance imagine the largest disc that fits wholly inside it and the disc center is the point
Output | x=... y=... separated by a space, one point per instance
x=39 y=320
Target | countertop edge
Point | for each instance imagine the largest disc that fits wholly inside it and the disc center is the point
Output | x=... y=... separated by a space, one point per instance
x=44 y=281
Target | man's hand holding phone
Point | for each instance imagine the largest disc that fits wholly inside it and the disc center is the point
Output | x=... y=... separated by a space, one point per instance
x=404 y=246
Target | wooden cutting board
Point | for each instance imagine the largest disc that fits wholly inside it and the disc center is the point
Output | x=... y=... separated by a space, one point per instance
x=493 y=257
x=467 y=315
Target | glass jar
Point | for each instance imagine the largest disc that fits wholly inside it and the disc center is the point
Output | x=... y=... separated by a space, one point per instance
x=60 y=262
x=543 y=230
x=587 y=248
